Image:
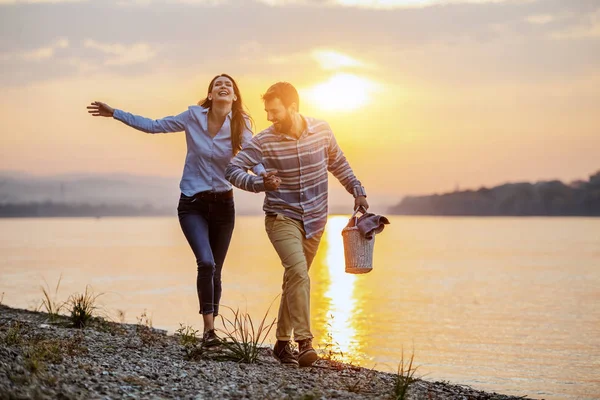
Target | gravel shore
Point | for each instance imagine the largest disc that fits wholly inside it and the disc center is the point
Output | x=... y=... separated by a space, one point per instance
x=108 y=360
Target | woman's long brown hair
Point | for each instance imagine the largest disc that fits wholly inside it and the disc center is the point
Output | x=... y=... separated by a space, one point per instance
x=240 y=119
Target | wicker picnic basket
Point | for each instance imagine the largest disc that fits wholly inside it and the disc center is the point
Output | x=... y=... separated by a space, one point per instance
x=358 y=251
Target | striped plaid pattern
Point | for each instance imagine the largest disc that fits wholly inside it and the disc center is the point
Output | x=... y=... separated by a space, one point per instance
x=302 y=165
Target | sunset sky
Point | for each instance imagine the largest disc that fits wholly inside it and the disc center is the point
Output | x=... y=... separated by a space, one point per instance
x=423 y=96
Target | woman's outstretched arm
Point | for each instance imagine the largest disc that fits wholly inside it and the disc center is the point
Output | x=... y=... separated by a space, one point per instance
x=168 y=124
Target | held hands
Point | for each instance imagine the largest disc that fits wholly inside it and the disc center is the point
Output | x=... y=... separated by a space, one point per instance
x=360 y=203
x=271 y=181
x=99 y=109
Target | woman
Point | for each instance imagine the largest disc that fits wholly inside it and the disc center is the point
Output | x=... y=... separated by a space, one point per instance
x=215 y=130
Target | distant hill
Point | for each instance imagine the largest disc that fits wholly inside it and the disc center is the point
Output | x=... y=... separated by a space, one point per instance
x=113 y=189
x=98 y=195
x=549 y=198
x=49 y=209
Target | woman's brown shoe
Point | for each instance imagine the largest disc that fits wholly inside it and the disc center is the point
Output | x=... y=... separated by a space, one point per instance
x=210 y=339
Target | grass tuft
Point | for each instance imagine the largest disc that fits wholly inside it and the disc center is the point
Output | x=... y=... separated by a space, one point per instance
x=49 y=302
x=241 y=340
x=14 y=336
x=121 y=316
x=38 y=351
x=82 y=307
x=330 y=350
x=144 y=330
x=359 y=383
x=188 y=336
x=404 y=377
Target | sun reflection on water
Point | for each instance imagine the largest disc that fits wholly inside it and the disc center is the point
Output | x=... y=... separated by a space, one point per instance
x=340 y=323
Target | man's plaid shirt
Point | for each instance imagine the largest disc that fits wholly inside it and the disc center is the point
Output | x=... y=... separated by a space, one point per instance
x=302 y=164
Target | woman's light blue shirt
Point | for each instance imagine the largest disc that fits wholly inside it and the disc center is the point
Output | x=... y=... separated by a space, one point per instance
x=207 y=157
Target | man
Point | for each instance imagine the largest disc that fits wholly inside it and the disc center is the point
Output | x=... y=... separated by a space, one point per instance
x=297 y=152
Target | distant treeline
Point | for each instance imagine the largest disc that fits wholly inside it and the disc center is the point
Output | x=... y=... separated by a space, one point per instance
x=551 y=198
x=51 y=209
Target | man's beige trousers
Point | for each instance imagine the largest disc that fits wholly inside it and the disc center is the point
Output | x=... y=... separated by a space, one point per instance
x=296 y=254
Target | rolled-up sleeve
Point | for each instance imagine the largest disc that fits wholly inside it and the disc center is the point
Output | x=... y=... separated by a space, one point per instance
x=340 y=168
x=246 y=139
x=237 y=170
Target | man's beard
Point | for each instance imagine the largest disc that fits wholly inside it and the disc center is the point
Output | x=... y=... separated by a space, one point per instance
x=285 y=125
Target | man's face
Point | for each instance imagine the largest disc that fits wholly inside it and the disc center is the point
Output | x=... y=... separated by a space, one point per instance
x=278 y=115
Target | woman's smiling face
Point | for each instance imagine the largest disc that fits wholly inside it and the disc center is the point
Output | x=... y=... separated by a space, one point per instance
x=222 y=90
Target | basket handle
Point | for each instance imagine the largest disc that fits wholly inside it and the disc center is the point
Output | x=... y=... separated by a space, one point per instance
x=354 y=214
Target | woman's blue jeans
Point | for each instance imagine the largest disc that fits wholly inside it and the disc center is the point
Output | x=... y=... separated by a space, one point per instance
x=207 y=224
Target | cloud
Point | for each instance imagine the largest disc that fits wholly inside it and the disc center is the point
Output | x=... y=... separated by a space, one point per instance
x=45 y=52
x=120 y=54
x=118 y=2
x=80 y=65
x=474 y=42
x=333 y=60
x=144 y=3
x=326 y=59
x=588 y=27
x=207 y=2
x=127 y=3
x=383 y=4
x=38 y=54
x=287 y=60
x=39 y=1
x=541 y=19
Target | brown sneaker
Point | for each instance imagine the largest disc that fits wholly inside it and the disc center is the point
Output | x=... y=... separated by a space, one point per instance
x=282 y=351
x=210 y=339
x=307 y=355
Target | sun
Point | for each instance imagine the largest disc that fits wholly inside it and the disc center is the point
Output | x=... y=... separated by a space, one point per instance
x=342 y=92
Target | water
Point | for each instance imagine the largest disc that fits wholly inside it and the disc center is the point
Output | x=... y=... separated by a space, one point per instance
x=500 y=304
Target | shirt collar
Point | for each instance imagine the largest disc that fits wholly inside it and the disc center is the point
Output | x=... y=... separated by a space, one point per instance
x=205 y=111
x=310 y=127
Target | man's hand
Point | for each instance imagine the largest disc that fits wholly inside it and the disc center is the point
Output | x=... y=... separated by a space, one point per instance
x=99 y=109
x=271 y=181
x=360 y=203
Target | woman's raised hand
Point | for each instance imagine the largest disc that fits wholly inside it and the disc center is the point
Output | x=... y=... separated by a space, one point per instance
x=99 y=109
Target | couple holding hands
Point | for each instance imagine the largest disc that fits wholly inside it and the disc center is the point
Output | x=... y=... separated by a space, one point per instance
x=290 y=161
